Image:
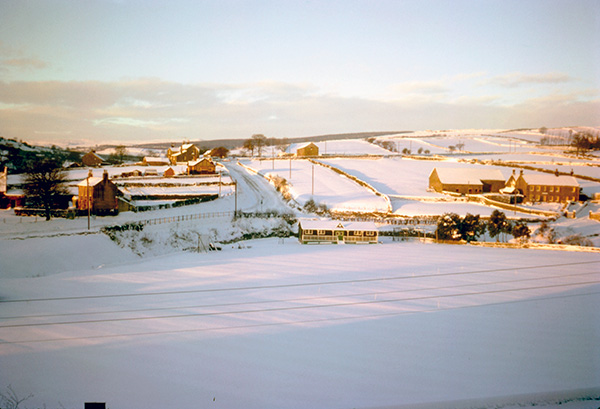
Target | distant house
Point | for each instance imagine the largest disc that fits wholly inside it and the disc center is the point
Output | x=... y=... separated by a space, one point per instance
x=545 y=187
x=203 y=166
x=100 y=195
x=155 y=161
x=4 y=181
x=9 y=199
x=307 y=149
x=133 y=173
x=466 y=180
x=90 y=159
x=185 y=153
x=331 y=231
x=151 y=172
x=169 y=173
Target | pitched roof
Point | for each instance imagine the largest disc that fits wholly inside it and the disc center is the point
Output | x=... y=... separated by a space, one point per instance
x=197 y=161
x=471 y=176
x=93 y=181
x=295 y=146
x=549 y=180
x=337 y=225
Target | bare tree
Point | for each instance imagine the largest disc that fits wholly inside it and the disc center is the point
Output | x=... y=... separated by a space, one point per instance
x=44 y=183
x=10 y=400
x=260 y=141
x=120 y=153
x=249 y=146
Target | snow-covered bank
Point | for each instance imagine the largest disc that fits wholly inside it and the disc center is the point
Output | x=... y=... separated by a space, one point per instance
x=274 y=325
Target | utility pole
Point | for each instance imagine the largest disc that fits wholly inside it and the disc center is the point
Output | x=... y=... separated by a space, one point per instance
x=313 y=179
x=87 y=194
x=236 y=193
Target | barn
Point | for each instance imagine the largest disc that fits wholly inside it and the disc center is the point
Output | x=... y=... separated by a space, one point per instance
x=307 y=149
x=91 y=159
x=338 y=232
x=466 y=180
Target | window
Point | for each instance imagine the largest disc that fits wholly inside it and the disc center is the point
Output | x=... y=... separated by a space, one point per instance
x=369 y=233
x=552 y=188
x=538 y=188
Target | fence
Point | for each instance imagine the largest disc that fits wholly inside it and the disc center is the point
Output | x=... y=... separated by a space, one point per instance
x=181 y=218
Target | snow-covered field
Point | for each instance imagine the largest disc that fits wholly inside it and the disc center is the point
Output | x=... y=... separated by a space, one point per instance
x=321 y=184
x=280 y=325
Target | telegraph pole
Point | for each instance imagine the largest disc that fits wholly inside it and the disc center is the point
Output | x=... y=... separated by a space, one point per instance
x=236 y=187
x=87 y=194
x=313 y=179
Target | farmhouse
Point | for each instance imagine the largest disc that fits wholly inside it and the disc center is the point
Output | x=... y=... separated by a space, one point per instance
x=307 y=149
x=204 y=166
x=331 y=231
x=98 y=194
x=545 y=187
x=186 y=152
x=91 y=159
x=466 y=180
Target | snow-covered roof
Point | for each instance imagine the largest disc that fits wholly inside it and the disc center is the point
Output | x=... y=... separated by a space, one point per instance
x=156 y=159
x=186 y=146
x=93 y=181
x=549 y=179
x=467 y=175
x=337 y=225
x=197 y=161
x=295 y=146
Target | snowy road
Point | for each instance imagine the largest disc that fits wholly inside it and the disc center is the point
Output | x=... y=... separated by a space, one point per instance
x=255 y=194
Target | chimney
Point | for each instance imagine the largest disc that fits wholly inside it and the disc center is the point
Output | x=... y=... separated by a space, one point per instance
x=105 y=176
x=90 y=174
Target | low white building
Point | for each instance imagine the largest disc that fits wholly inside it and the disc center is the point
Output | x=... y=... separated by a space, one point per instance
x=332 y=231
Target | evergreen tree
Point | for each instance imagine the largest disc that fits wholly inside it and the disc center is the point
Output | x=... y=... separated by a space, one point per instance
x=448 y=227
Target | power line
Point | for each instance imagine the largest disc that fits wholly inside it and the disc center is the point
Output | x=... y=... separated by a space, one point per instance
x=302 y=322
x=300 y=299
x=294 y=285
x=293 y=308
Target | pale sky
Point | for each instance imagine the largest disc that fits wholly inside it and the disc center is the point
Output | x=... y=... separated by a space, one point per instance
x=134 y=71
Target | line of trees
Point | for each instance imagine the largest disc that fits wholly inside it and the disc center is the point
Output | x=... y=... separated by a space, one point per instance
x=584 y=142
x=259 y=142
x=469 y=228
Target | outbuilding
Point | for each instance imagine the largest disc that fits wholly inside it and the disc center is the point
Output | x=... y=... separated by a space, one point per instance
x=338 y=232
x=91 y=159
x=307 y=149
x=466 y=180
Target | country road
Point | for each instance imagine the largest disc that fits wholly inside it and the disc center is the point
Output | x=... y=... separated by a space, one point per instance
x=255 y=194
